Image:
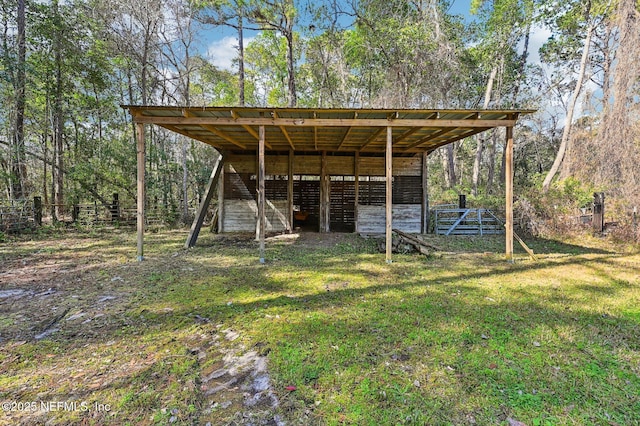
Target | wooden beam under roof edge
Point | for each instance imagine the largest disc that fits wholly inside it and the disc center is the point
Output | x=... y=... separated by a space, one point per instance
x=325 y=122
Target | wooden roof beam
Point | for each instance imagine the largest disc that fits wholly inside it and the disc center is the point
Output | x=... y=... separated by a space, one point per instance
x=326 y=122
x=284 y=131
x=406 y=134
x=372 y=138
x=347 y=133
x=315 y=131
x=431 y=137
x=441 y=132
x=187 y=134
x=471 y=132
x=223 y=135
x=250 y=130
x=186 y=115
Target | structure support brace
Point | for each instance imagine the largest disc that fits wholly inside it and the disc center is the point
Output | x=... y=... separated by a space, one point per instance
x=198 y=220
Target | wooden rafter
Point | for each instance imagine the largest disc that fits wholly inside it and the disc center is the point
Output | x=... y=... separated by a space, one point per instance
x=250 y=130
x=431 y=137
x=347 y=133
x=315 y=131
x=284 y=132
x=455 y=139
x=372 y=138
x=223 y=135
x=315 y=138
x=406 y=134
x=186 y=114
x=189 y=135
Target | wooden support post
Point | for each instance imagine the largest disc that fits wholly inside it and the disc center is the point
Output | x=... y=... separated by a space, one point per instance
x=141 y=158
x=508 y=177
x=290 y=193
x=356 y=173
x=425 y=194
x=204 y=205
x=261 y=194
x=325 y=195
x=389 y=193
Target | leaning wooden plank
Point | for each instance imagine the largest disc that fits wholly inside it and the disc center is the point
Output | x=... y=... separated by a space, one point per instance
x=524 y=246
x=204 y=205
x=517 y=237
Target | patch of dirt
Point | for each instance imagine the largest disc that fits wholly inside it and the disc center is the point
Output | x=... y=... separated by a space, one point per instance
x=82 y=293
x=239 y=387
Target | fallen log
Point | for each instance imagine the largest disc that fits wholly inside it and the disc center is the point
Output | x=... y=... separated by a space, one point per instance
x=421 y=246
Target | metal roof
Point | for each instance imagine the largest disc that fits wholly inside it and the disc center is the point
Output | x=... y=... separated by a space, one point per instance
x=334 y=130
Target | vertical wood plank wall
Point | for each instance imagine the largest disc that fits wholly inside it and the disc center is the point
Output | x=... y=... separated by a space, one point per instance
x=241 y=214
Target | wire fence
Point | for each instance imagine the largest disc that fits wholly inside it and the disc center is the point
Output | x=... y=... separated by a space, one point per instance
x=17 y=216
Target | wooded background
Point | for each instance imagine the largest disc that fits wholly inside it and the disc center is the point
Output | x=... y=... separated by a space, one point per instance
x=67 y=66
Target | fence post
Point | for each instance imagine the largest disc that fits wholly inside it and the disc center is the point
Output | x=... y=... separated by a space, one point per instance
x=115 y=208
x=462 y=201
x=598 y=211
x=37 y=210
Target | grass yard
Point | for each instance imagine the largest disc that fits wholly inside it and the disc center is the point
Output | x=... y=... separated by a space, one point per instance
x=461 y=337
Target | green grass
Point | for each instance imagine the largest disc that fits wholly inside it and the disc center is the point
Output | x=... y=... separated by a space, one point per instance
x=461 y=337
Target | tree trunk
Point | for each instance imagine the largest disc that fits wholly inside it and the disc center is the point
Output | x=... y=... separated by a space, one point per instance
x=521 y=66
x=185 y=176
x=241 y=76
x=477 y=162
x=58 y=122
x=491 y=172
x=451 y=167
x=293 y=99
x=19 y=167
x=570 y=110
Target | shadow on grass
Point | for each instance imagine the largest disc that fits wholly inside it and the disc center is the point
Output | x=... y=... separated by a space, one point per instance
x=421 y=341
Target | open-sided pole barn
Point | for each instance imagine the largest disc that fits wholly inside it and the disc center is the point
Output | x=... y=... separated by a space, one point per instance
x=356 y=170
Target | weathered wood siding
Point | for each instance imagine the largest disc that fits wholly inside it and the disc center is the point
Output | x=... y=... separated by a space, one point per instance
x=405 y=217
x=241 y=216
